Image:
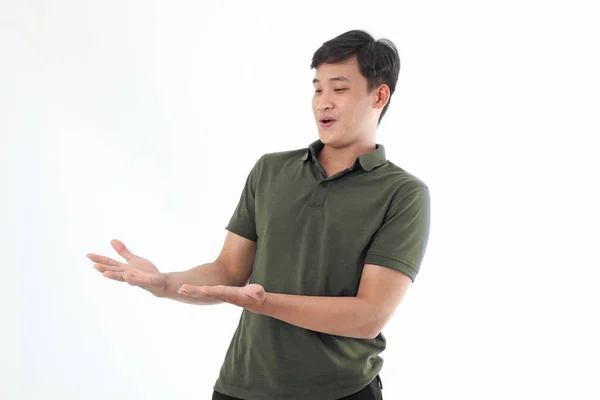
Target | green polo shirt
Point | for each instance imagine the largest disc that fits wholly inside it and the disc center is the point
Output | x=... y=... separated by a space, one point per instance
x=314 y=233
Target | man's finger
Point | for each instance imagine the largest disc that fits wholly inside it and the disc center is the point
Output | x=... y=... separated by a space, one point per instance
x=228 y=294
x=104 y=260
x=104 y=267
x=115 y=276
x=188 y=290
x=191 y=291
x=122 y=250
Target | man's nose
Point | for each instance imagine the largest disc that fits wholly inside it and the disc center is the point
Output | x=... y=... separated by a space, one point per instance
x=324 y=106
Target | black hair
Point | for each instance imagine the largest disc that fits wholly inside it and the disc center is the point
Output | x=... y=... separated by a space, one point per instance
x=378 y=60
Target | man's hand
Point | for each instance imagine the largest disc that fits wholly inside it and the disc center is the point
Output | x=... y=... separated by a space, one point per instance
x=137 y=271
x=251 y=297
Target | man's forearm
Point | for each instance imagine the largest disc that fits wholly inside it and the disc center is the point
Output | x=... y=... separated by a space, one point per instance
x=341 y=316
x=211 y=274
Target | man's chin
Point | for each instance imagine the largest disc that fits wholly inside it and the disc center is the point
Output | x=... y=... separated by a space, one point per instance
x=326 y=137
x=324 y=140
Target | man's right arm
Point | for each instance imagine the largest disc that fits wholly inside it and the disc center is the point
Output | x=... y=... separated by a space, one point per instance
x=232 y=267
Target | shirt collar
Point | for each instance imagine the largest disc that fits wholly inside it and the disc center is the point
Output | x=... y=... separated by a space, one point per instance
x=367 y=161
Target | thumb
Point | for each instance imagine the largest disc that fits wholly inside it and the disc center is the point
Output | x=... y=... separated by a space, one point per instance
x=122 y=250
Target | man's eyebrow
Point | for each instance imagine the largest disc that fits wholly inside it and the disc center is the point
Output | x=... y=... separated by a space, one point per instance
x=335 y=78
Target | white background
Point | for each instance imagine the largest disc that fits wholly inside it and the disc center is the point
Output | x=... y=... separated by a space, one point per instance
x=140 y=121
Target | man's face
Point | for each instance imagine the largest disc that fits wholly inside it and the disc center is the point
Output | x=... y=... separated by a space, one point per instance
x=341 y=96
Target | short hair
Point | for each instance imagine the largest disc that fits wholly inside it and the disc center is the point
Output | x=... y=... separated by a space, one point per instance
x=378 y=60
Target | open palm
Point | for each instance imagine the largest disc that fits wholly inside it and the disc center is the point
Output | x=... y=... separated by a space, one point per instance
x=137 y=271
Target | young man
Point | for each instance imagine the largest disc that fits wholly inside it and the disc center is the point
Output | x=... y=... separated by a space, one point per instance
x=321 y=248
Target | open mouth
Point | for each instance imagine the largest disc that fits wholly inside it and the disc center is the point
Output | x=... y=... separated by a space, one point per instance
x=326 y=122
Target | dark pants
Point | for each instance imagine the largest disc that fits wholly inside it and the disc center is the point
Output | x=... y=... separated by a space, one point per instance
x=370 y=392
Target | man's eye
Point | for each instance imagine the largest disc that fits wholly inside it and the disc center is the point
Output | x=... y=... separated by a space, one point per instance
x=336 y=90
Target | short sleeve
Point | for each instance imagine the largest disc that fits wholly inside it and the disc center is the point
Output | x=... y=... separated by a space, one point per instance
x=243 y=220
x=401 y=240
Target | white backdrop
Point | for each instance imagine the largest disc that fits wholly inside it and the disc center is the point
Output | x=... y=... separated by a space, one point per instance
x=140 y=121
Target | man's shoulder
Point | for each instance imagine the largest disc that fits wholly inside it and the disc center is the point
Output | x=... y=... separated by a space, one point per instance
x=400 y=178
x=280 y=158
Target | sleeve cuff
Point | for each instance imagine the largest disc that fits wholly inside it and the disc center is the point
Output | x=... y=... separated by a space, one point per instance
x=392 y=263
x=242 y=231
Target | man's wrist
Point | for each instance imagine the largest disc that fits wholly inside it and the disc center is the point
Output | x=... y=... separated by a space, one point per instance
x=167 y=288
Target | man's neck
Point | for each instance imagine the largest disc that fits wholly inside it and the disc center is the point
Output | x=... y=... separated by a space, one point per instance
x=342 y=158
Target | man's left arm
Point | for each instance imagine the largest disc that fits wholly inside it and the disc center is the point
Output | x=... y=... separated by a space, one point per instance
x=363 y=316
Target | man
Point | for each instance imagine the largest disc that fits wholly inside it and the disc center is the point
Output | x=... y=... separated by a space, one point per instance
x=321 y=248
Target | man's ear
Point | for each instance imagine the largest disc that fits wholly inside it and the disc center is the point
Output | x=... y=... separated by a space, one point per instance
x=382 y=96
